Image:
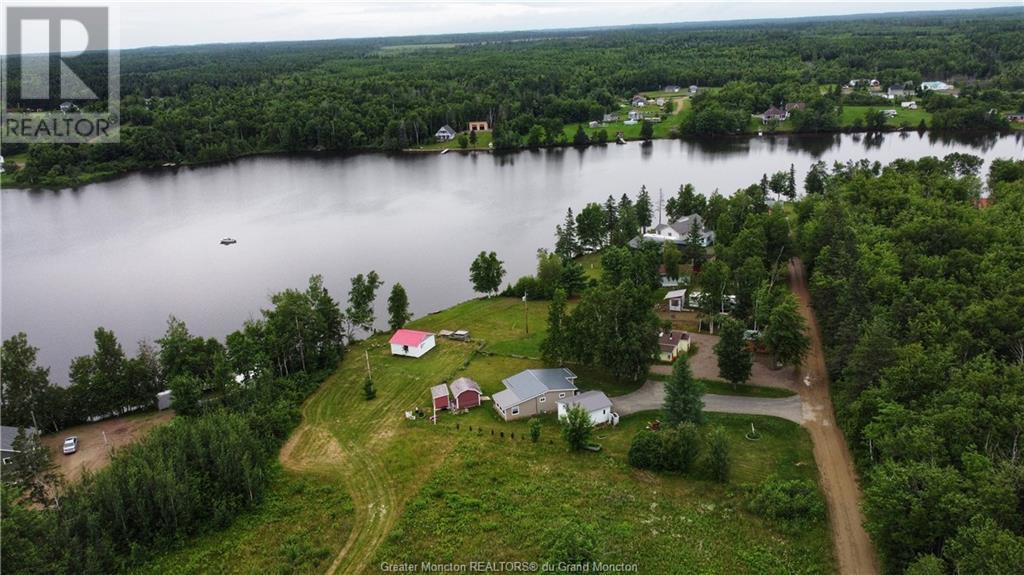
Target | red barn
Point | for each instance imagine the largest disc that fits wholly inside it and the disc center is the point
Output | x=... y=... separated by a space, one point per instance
x=466 y=393
x=439 y=395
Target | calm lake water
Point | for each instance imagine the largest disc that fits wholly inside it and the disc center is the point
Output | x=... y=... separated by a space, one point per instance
x=127 y=253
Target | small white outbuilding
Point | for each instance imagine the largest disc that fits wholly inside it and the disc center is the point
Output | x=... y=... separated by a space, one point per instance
x=411 y=343
x=595 y=403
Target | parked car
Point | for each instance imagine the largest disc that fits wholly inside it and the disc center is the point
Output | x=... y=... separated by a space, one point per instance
x=70 y=444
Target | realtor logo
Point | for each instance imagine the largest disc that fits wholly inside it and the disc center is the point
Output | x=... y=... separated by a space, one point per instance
x=61 y=76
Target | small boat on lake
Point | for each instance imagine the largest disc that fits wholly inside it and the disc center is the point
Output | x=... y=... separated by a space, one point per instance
x=228 y=241
x=444 y=151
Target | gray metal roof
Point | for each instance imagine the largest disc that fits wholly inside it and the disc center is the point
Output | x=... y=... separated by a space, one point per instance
x=7 y=435
x=464 y=384
x=531 y=383
x=505 y=399
x=439 y=390
x=589 y=400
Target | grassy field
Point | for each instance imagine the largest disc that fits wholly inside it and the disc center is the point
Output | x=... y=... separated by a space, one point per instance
x=911 y=117
x=504 y=499
x=419 y=490
x=294 y=530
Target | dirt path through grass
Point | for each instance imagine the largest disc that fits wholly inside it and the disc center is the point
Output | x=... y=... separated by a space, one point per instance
x=855 y=554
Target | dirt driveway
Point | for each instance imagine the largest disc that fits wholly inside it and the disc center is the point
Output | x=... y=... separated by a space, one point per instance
x=855 y=554
x=93 y=453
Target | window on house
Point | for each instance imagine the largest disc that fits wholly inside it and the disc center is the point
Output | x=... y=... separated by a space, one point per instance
x=543 y=399
x=515 y=411
x=561 y=395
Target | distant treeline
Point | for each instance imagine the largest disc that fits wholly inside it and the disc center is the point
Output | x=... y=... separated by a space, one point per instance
x=209 y=103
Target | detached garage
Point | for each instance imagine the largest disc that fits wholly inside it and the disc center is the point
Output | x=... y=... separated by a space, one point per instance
x=412 y=343
x=466 y=393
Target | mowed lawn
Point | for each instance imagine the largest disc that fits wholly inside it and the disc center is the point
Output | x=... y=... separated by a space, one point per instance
x=374 y=485
x=503 y=498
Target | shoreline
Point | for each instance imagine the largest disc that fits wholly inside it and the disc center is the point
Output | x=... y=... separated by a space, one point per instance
x=707 y=139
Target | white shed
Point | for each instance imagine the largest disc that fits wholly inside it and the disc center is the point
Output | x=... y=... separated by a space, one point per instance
x=412 y=343
x=676 y=299
x=596 y=403
x=164 y=399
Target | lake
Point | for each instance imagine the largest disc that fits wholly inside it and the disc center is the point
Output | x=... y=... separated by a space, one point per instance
x=127 y=253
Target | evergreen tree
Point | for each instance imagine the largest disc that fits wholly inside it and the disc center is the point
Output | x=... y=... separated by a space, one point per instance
x=694 y=250
x=398 y=307
x=734 y=362
x=644 y=209
x=611 y=218
x=580 y=139
x=573 y=279
x=680 y=447
x=553 y=347
x=369 y=391
x=567 y=244
x=32 y=470
x=646 y=131
x=683 y=395
x=791 y=183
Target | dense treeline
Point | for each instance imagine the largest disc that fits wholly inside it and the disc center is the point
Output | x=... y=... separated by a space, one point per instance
x=919 y=295
x=211 y=103
x=236 y=404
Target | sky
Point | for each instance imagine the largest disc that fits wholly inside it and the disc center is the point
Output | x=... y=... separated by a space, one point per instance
x=142 y=23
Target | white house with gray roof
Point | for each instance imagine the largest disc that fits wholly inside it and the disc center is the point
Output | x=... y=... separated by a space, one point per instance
x=7 y=436
x=534 y=392
x=595 y=403
x=677 y=232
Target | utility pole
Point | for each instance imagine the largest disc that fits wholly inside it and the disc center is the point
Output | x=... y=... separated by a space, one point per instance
x=526 y=313
x=661 y=202
x=366 y=354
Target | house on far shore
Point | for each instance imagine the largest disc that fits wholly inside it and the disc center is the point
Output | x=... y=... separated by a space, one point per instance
x=445 y=133
x=1016 y=117
x=595 y=403
x=636 y=115
x=610 y=118
x=890 y=113
x=638 y=100
x=935 y=86
x=694 y=89
x=534 y=392
x=478 y=126
x=672 y=343
x=465 y=393
x=898 y=91
x=411 y=343
x=670 y=88
x=676 y=300
x=911 y=105
x=795 y=106
x=439 y=396
x=774 y=114
x=7 y=436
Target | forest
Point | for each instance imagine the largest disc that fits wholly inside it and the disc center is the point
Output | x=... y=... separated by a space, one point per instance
x=190 y=105
x=919 y=295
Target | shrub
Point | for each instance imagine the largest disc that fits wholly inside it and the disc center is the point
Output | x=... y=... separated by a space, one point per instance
x=645 y=452
x=534 y=430
x=719 y=459
x=680 y=447
x=577 y=428
x=788 y=500
x=572 y=543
